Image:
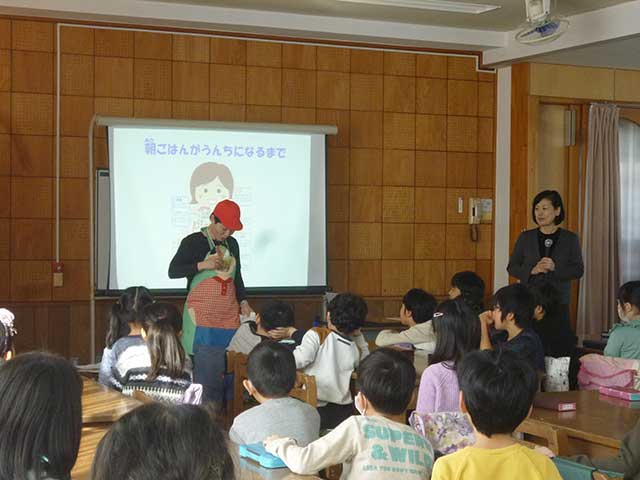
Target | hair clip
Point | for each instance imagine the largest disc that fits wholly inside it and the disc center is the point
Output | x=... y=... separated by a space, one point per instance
x=438 y=314
x=6 y=318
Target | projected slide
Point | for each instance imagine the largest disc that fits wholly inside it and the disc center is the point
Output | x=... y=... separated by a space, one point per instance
x=165 y=183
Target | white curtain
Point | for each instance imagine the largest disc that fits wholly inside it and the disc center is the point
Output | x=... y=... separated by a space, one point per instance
x=629 y=240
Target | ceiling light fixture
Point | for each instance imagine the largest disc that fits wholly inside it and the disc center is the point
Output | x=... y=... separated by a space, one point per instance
x=441 y=5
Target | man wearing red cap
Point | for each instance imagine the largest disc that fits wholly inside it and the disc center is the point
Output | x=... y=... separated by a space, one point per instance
x=210 y=260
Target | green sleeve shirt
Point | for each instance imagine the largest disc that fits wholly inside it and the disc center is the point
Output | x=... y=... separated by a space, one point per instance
x=624 y=341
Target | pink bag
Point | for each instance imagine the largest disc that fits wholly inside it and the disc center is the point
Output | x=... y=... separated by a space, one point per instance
x=598 y=371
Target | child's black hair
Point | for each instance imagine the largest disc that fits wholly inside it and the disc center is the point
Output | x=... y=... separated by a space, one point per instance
x=158 y=441
x=276 y=314
x=630 y=293
x=163 y=323
x=126 y=311
x=556 y=200
x=471 y=288
x=498 y=387
x=387 y=378
x=516 y=299
x=546 y=296
x=347 y=312
x=271 y=368
x=420 y=303
x=41 y=417
x=457 y=330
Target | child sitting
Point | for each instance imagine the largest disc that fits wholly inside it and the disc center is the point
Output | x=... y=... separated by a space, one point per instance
x=124 y=329
x=7 y=332
x=470 y=287
x=271 y=369
x=275 y=321
x=332 y=353
x=512 y=318
x=162 y=374
x=41 y=416
x=457 y=333
x=416 y=312
x=376 y=444
x=497 y=392
x=624 y=338
x=164 y=442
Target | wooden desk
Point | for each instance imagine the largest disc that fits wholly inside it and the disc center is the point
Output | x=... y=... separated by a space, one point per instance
x=103 y=405
x=91 y=436
x=596 y=428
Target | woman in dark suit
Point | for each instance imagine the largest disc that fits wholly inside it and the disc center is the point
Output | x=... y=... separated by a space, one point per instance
x=548 y=253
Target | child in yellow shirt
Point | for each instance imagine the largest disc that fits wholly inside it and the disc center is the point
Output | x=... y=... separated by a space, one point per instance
x=497 y=390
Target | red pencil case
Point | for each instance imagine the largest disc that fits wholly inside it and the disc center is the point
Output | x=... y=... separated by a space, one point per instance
x=553 y=402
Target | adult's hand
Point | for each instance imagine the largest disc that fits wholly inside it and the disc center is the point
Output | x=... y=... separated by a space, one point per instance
x=541 y=267
x=212 y=262
x=548 y=264
x=245 y=308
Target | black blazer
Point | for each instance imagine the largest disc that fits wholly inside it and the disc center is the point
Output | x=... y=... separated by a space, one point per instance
x=566 y=256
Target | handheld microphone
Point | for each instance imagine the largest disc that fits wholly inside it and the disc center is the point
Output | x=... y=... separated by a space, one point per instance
x=548 y=243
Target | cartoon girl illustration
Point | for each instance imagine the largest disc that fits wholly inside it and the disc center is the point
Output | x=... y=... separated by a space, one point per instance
x=210 y=183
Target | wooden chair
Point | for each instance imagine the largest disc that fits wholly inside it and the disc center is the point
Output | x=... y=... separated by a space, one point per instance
x=239 y=375
x=305 y=389
x=557 y=440
x=143 y=397
x=604 y=476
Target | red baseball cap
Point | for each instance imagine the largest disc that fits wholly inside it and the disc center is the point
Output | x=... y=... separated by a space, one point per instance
x=228 y=212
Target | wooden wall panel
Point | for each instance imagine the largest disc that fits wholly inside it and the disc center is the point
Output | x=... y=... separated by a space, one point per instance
x=5 y=70
x=152 y=79
x=32 y=239
x=5 y=239
x=190 y=48
x=5 y=155
x=397 y=204
x=366 y=129
x=397 y=241
x=264 y=86
x=33 y=36
x=32 y=156
x=114 y=77
x=190 y=81
x=32 y=72
x=299 y=56
x=367 y=61
x=431 y=96
x=398 y=167
x=77 y=75
x=396 y=63
x=434 y=66
x=80 y=41
x=228 y=84
x=399 y=94
x=626 y=86
x=229 y=51
x=399 y=131
x=334 y=59
x=430 y=241
x=415 y=132
x=338 y=166
x=365 y=241
x=365 y=166
x=264 y=54
x=299 y=88
x=431 y=169
x=366 y=92
x=151 y=45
